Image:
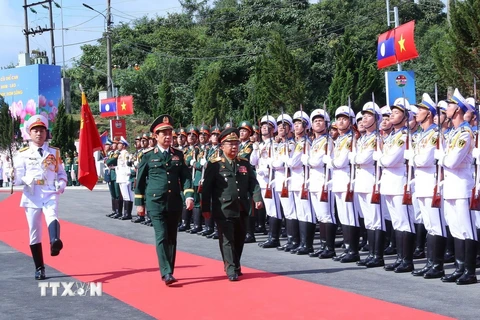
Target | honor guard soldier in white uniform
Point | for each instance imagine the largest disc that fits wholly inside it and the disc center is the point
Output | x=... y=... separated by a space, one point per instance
x=282 y=184
x=299 y=184
x=319 y=183
x=341 y=171
x=261 y=158
x=456 y=159
x=39 y=167
x=422 y=156
x=392 y=187
x=124 y=170
x=365 y=171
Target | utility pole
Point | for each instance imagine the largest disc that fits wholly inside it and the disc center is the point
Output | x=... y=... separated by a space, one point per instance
x=110 y=87
x=396 y=23
x=27 y=40
x=52 y=35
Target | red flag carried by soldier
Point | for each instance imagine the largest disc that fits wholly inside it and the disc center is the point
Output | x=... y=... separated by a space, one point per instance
x=89 y=143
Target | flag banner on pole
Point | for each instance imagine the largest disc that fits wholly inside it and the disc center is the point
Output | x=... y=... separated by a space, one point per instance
x=125 y=105
x=88 y=144
x=104 y=137
x=108 y=107
x=397 y=45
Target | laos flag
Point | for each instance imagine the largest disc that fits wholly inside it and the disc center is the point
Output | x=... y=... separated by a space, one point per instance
x=386 y=50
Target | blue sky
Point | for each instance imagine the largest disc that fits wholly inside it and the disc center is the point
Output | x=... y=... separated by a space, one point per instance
x=80 y=24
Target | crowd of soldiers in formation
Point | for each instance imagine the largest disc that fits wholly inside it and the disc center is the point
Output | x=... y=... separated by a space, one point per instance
x=399 y=180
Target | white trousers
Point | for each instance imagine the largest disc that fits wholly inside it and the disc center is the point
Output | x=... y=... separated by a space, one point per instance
x=433 y=218
x=402 y=216
x=346 y=211
x=272 y=206
x=416 y=210
x=372 y=214
x=126 y=191
x=288 y=206
x=303 y=208
x=477 y=218
x=34 y=219
x=324 y=211
x=460 y=220
x=384 y=208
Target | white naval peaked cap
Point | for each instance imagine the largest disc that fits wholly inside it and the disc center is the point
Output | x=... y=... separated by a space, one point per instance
x=285 y=118
x=412 y=112
x=302 y=116
x=345 y=111
x=385 y=111
x=401 y=103
x=269 y=120
x=471 y=102
x=373 y=108
x=459 y=100
x=124 y=141
x=319 y=113
x=359 y=116
x=443 y=105
x=428 y=104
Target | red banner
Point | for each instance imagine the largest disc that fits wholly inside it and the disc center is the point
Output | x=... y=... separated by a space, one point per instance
x=118 y=128
x=88 y=144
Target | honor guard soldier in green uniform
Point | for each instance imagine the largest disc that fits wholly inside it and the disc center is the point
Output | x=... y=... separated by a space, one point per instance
x=140 y=218
x=75 y=169
x=174 y=138
x=244 y=150
x=113 y=186
x=182 y=138
x=162 y=175
x=67 y=161
x=228 y=190
x=191 y=156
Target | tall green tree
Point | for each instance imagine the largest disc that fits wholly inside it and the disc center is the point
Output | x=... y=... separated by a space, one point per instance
x=62 y=136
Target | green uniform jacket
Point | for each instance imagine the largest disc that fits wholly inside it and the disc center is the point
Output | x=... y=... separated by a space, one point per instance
x=160 y=180
x=191 y=153
x=227 y=191
x=245 y=150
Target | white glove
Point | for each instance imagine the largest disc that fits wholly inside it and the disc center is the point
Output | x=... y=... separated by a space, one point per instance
x=203 y=162
x=61 y=185
x=377 y=155
x=476 y=154
x=284 y=158
x=440 y=156
x=192 y=162
x=262 y=171
x=305 y=159
x=255 y=146
x=351 y=157
x=328 y=161
x=408 y=155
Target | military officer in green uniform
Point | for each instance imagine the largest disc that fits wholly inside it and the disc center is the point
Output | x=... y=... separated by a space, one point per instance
x=140 y=218
x=244 y=151
x=75 y=169
x=167 y=174
x=228 y=190
x=192 y=153
x=67 y=163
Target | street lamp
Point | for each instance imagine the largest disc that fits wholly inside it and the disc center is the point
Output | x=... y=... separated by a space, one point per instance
x=110 y=87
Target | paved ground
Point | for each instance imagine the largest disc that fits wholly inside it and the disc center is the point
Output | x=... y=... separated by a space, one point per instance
x=20 y=298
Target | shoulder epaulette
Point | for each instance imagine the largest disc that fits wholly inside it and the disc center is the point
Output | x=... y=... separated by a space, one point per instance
x=24 y=149
x=242 y=158
x=148 y=150
x=215 y=159
x=54 y=148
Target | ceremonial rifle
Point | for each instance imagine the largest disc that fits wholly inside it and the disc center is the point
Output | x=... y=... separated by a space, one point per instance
x=475 y=198
x=437 y=194
x=349 y=195
x=407 y=194
x=304 y=194
x=284 y=193
x=268 y=190
x=324 y=194
x=376 y=187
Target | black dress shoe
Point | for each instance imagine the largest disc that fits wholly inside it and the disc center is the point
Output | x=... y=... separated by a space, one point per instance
x=111 y=214
x=169 y=279
x=375 y=263
x=418 y=253
x=404 y=267
x=249 y=238
x=363 y=262
x=350 y=257
x=233 y=277
x=269 y=244
x=327 y=254
x=213 y=235
x=316 y=253
x=434 y=273
x=183 y=228
x=40 y=273
x=55 y=247
x=138 y=219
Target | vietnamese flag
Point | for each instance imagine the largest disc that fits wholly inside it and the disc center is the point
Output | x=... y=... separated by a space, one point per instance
x=124 y=105
x=89 y=143
x=386 y=50
x=404 y=42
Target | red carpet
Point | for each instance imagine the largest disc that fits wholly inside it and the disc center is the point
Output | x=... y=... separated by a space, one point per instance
x=129 y=272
